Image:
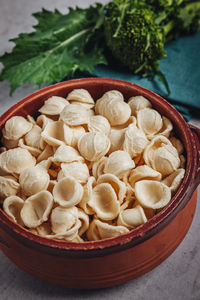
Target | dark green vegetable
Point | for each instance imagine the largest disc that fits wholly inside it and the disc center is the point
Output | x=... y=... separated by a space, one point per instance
x=135 y=32
x=60 y=45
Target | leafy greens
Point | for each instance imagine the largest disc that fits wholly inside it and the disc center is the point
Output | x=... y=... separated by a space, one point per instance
x=60 y=45
x=134 y=31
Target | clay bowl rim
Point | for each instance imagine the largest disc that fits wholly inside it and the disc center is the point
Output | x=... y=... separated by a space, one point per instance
x=141 y=232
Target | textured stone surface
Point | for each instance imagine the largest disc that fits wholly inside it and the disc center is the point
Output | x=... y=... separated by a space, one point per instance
x=177 y=278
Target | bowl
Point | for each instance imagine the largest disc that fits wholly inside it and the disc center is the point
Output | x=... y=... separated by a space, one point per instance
x=104 y=263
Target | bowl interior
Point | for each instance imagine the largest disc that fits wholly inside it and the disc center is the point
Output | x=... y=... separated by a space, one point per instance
x=97 y=87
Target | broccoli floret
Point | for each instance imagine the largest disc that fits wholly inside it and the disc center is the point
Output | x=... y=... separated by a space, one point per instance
x=139 y=42
x=136 y=31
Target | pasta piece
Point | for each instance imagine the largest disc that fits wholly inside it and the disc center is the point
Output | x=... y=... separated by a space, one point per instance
x=135 y=141
x=99 y=123
x=68 y=192
x=16 y=160
x=109 y=96
x=166 y=160
x=87 y=196
x=173 y=181
x=68 y=235
x=56 y=133
x=157 y=142
x=104 y=201
x=80 y=95
x=75 y=114
x=116 y=137
x=137 y=103
x=143 y=172
x=76 y=133
x=78 y=170
x=152 y=194
x=31 y=119
x=116 y=111
x=16 y=127
x=98 y=167
x=132 y=217
x=43 y=120
x=33 y=137
x=118 y=185
x=149 y=120
x=118 y=163
x=8 y=187
x=177 y=144
x=166 y=128
x=63 y=218
x=66 y=154
x=102 y=230
x=10 y=144
x=78 y=239
x=46 y=153
x=93 y=145
x=34 y=180
x=83 y=217
x=36 y=209
x=13 y=206
x=53 y=106
x=44 y=229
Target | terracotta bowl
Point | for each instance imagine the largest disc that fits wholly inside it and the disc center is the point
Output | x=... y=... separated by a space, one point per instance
x=109 y=262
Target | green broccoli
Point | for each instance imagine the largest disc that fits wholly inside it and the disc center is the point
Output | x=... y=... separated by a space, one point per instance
x=139 y=42
x=137 y=31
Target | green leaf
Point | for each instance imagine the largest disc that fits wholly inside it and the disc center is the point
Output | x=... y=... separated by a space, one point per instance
x=60 y=45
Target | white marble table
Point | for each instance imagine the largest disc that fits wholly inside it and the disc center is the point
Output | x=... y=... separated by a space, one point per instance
x=177 y=278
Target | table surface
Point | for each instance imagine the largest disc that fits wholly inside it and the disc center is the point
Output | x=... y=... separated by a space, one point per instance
x=178 y=277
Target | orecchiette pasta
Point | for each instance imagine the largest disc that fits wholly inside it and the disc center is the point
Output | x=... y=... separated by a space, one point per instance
x=36 y=209
x=78 y=170
x=16 y=160
x=75 y=114
x=13 y=206
x=63 y=218
x=143 y=172
x=93 y=145
x=86 y=171
x=152 y=194
x=33 y=180
x=66 y=154
x=174 y=180
x=118 y=185
x=87 y=196
x=132 y=217
x=80 y=95
x=16 y=127
x=137 y=103
x=8 y=187
x=149 y=120
x=118 y=163
x=104 y=201
x=33 y=137
x=56 y=133
x=53 y=106
x=99 y=124
x=135 y=141
x=116 y=111
x=67 y=192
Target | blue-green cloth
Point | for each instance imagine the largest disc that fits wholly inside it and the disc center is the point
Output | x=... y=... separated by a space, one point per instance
x=182 y=70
